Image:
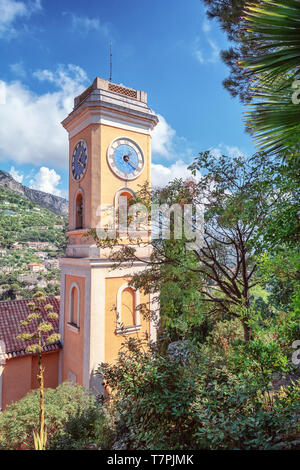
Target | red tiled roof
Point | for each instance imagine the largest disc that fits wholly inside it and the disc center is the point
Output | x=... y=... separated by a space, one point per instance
x=12 y=312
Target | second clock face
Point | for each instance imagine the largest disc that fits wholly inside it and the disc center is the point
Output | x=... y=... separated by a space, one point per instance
x=79 y=160
x=125 y=158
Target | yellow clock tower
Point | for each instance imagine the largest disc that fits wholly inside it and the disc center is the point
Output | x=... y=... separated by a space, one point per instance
x=109 y=157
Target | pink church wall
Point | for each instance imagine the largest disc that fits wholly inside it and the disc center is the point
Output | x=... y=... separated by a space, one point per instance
x=19 y=376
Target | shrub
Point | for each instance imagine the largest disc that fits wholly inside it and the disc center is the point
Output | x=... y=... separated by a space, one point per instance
x=90 y=428
x=164 y=402
x=63 y=405
x=153 y=395
x=238 y=409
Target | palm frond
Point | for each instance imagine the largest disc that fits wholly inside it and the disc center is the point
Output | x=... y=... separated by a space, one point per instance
x=274 y=119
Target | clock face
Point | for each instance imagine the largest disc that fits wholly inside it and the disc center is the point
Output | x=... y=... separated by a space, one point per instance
x=79 y=160
x=125 y=158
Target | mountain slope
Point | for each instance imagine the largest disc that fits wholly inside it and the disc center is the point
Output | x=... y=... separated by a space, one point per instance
x=56 y=204
x=32 y=239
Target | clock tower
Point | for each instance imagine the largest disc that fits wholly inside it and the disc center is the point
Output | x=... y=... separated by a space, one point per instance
x=109 y=157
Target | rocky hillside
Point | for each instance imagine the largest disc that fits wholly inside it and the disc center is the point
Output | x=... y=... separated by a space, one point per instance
x=56 y=204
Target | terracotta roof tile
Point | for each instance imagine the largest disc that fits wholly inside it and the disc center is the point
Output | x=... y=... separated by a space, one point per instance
x=12 y=312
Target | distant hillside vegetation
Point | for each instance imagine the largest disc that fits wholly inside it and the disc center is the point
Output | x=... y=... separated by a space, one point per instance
x=56 y=204
x=32 y=239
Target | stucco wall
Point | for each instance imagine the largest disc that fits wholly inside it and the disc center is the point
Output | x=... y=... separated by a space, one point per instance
x=73 y=338
x=19 y=376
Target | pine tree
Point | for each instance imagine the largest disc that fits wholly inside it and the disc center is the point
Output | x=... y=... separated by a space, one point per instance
x=230 y=15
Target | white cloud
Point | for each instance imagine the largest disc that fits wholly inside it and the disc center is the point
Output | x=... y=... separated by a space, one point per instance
x=46 y=180
x=12 y=10
x=228 y=150
x=206 y=26
x=30 y=130
x=162 y=175
x=198 y=47
x=70 y=79
x=199 y=55
x=16 y=174
x=84 y=24
x=215 y=51
x=162 y=138
x=18 y=69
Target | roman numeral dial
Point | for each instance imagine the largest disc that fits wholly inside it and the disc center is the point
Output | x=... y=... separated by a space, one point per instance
x=125 y=158
x=79 y=160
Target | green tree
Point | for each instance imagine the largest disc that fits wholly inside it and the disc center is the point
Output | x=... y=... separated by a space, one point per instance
x=230 y=16
x=241 y=195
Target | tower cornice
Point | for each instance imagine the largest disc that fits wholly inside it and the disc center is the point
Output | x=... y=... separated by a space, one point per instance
x=101 y=104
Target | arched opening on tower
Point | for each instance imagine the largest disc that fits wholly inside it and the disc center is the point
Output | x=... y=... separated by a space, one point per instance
x=128 y=307
x=128 y=198
x=79 y=211
x=74 y=307
x=123 y=199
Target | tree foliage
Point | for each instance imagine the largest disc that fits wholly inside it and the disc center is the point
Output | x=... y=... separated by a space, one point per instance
x=242 y=196
x=230 y=15
x=201 y=402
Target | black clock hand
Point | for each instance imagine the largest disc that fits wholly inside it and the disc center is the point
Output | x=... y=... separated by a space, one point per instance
x=79 y=160
x=132 y=165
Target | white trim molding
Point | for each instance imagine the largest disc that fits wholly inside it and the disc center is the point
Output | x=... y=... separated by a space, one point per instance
x=121 y=329
x=119 y=192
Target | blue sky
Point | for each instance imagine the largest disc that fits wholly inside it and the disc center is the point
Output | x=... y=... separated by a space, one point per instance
x=50 y=51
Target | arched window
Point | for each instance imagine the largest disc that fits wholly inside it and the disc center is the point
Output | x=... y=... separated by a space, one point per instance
x=129 y=196
x=123 y=199
x=79 y=211
x=128 y=314
x=74 y=306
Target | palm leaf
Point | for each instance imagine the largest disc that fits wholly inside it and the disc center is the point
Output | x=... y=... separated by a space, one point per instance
x=273 y=119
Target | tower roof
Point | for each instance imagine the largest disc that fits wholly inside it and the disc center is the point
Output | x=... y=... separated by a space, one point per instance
x=105 y=85
x=104 y=102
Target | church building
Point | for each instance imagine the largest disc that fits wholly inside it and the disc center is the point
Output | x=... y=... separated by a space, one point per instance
x=109 y=132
